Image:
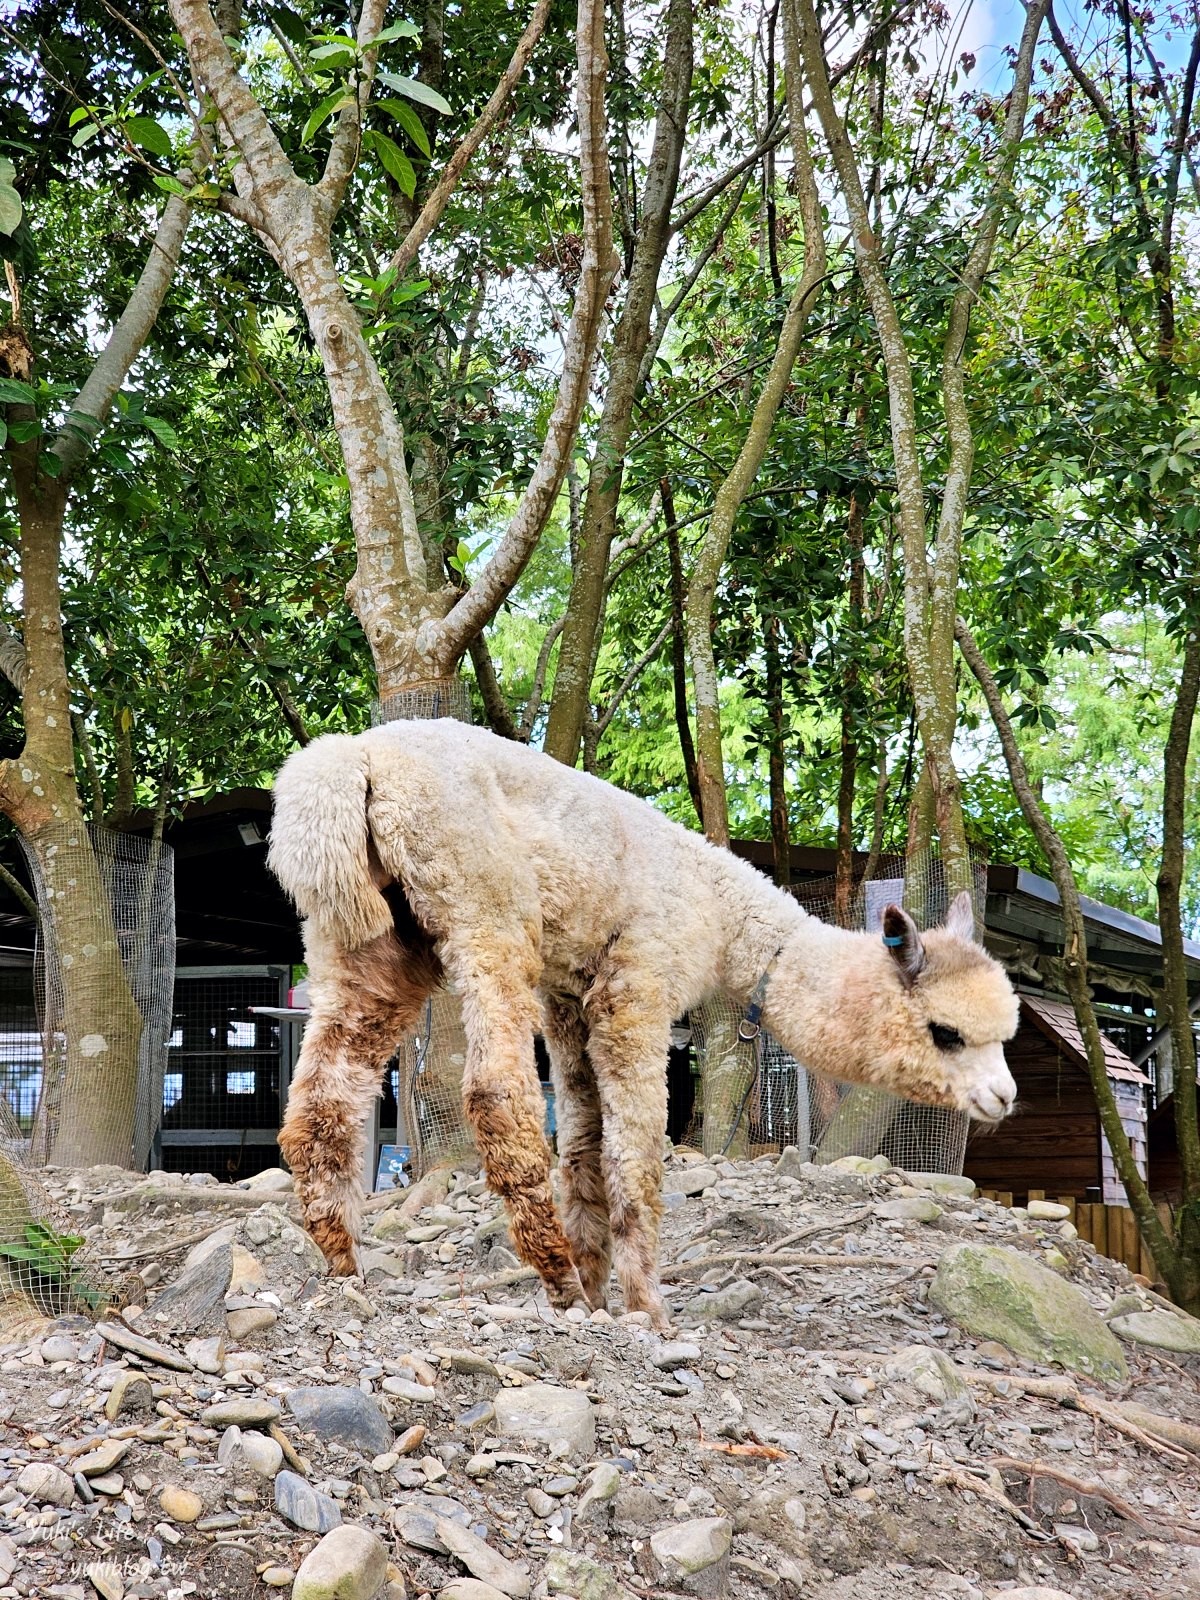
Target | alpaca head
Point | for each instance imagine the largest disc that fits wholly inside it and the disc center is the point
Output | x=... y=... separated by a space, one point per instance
x=925 y=1015
x=954 y=1009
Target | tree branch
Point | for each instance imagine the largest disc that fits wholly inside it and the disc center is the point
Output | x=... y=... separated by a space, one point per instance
x=440 y=194
x=347 y=136
x=448 y=639
x=494 y=704
x=92 y=403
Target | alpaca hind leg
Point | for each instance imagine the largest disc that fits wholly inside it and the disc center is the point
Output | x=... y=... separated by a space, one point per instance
x=581 y=1173
x=504 y=1103
x=363 y=1002
x=629 y=1059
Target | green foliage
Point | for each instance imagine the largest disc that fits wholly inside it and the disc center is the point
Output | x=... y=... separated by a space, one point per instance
x=43 y=1263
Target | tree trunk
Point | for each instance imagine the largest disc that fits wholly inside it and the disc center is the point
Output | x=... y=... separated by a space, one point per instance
x=418 y=626
x=930 y=588
x=572 y=680
x=702 y=589
x=781 y=833
x=95 y=1095
x=1170 y=921
x=1179 y=1265
x=843 y=884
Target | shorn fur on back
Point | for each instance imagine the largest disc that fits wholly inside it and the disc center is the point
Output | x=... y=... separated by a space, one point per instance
x=561 y=905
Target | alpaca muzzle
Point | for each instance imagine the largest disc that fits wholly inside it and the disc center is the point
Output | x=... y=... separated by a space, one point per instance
x=992 y=1094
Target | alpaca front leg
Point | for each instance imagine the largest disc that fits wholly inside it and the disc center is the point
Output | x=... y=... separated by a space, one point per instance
x=580 y=1124
x=363 y=1002
x=630 y=1069
x=506 y=1109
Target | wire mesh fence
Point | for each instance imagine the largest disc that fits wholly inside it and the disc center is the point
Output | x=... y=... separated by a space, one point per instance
x=444 y=697
x=135 y=879
x=756 y=1097
x=226 y=1071
x=45 y=1267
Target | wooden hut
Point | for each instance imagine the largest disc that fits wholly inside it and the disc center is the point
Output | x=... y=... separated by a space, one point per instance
x=1054 y=1142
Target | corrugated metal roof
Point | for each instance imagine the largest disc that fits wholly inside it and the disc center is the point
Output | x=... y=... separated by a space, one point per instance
x=1056 y=1019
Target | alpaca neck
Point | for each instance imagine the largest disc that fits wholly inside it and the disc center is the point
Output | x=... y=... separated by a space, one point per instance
x=757 y=921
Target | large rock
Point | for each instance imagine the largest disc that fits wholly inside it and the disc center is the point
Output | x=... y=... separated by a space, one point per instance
x=735 y=1300
x=46 y=1485
x=695 y=1554
x=998 y=1294
x=481 y=1561
x=195 y=1302
x=350 y=1563
x=538 y=1413
x=344 y=1414
x=690 y=1180
x=929 y=1372
x=570 y=1573
x=1161 y=1330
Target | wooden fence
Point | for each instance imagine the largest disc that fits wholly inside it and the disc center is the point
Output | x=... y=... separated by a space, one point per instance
x=1112 y=1229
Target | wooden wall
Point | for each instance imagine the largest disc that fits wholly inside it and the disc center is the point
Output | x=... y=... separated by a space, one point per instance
x=1052 y=1141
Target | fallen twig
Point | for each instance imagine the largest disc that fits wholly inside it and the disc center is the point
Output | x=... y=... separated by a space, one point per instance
x=819 y=1227
x=1095 y=1491
x=728 y=1447
x=165 y=1249
x=987 y=1491
x=1067 y=1394
x=786 y=1258
x=291 y=1455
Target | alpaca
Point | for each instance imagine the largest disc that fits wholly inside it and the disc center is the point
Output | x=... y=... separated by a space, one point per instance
x=560 y=904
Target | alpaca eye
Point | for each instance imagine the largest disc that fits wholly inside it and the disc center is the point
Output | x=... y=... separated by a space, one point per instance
x=946 y=1038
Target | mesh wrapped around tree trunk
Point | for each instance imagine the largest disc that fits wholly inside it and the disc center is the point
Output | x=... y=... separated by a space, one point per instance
x=432 y=1062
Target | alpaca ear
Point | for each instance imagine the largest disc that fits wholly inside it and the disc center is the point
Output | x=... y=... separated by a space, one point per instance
x=904 y=942
x=960 y=919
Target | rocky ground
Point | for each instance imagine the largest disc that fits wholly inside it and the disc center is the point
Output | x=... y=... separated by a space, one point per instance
x=879 y=1387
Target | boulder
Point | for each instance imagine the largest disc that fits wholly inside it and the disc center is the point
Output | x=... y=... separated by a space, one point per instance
x=343 y=1414
x=999 y=1294
x=538 y=1413
x=350 y=1563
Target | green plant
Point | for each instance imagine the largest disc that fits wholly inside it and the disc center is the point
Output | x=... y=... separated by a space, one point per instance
x=47 y=1270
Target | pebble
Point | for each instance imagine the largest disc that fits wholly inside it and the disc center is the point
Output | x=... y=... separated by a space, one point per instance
x=278 y=1577
x=303 y=1506
x=405 y=1389
x=250 y=1413
x=727 y=1304
x=245 y=1323
x=181 y=1505
x=116 y=1333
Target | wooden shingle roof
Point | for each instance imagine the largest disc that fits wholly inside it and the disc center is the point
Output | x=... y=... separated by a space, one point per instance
x=1056 y=1019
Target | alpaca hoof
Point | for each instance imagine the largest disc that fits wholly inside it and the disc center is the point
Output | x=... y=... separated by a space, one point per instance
x=563 y=1296
x=337 y=1247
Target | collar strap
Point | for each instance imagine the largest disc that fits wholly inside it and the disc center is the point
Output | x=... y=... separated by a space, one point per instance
x=893 y=940
x=750 y=1026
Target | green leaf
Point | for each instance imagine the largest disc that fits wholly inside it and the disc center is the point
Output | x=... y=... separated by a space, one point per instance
x=463 y=553
x=8 y=173
x=88 y=131
x=168 y=184
x=408 y=120
x=339 y=52
x=10 y=209
x=163 y=432
x=413 y=89
x=15 y=393
x=289 y=24
x=393 y=160
x=3 y=433
x=324 y=111
x=150 y=135
x=80 y=114
x=398 y=30
x=22 y=432
x=50 y=464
